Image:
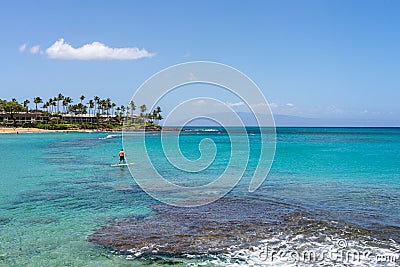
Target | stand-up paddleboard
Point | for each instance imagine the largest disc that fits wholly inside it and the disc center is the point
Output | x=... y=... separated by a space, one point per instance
x=122 y=164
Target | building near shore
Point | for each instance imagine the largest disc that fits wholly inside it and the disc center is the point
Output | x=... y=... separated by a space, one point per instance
x=21 y=118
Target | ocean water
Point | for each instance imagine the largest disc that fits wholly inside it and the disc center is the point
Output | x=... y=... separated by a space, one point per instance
x=57 y=189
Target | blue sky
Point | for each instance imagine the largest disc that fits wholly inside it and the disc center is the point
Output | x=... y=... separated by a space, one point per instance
x=310 y=58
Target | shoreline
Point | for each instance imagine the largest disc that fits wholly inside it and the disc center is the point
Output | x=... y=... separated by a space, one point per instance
x=20 y=130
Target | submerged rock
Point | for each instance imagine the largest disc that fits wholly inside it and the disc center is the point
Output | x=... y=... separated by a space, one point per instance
x=4 y=221
x=229 y=223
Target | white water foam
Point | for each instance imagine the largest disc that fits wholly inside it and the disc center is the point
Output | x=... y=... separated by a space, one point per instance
x=333 y=251
x=109 y=136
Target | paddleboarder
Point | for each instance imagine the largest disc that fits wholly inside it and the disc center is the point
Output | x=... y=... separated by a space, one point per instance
x=121 y=156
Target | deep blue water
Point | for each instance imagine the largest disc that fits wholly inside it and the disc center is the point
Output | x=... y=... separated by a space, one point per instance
x=57 y=188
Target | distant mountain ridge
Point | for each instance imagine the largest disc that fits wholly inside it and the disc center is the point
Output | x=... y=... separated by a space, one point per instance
x=248 y=119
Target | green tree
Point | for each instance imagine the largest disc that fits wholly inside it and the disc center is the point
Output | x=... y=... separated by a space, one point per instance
x=59 y=97
x=65 y=105
x=91 y=106
x=123 y=110
x=46 y=106
x=54 y=103
x=152 y=116
x=158 y=117
x=2 y=104
x=156 y=114
x=37 y=100
x=50 y=102
x=96 y=101
x=112 y=108
x=101 y=106
x=12 y=107
x=107 y=105
x=68 y=100
x=143 y=114
x=73 y=109
x=132 y=105
x=25 y=104
x=118 y=109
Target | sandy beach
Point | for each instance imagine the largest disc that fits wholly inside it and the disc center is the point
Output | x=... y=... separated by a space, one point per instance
x=19 y=130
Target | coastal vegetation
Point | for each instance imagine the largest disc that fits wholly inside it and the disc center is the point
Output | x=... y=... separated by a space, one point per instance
x=61 y=113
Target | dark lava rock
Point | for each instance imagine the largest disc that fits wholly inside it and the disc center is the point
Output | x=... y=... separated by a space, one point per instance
x=229 y=223
x=4 y=221
x=225 y=227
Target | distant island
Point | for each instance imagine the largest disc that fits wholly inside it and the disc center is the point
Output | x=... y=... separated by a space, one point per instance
x=62 y=113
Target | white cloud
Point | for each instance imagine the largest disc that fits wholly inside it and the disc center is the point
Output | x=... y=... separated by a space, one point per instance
x=261 y=105
x=273 y=105
x=96 y=50
x=333 y=109
x=191 y=77
x=35 y=49
x=22 y=48
x=306 y=111
x=200 y=102
x=238 y=104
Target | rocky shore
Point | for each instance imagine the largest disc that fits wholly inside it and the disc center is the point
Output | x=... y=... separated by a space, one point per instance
x=229 y=223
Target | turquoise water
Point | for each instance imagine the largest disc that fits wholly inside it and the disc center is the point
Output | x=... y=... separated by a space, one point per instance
x=58 y=188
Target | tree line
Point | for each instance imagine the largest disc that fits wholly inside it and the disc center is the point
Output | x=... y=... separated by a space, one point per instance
x=96 y=106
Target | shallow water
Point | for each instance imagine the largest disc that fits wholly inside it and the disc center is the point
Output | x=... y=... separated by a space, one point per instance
x=58 y=189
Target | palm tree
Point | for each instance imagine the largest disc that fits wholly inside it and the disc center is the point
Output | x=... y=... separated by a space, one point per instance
x=132 y=105
x=45 y=106
x=25 y=104
x=64 y=105
x=81 y=109
x=102 y=104
x=59 y=98
x=112 y=108
x=37 y=100
x=122 y=109
x=96 y=101
x=143 y=109
x=91 y=106
x=74 y=109
x=54 y=104
x=82 y=97
x=50 y=101
x=67 y=101
x=118 y=112
x=108 y=105
x=98 y=119
x=152 y=116
x=158 y=117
